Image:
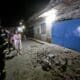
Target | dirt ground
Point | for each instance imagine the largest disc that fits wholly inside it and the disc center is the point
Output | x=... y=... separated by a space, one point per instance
x=29 y=65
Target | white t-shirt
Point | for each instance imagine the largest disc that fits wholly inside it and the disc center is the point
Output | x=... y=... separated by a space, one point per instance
x=17 y=41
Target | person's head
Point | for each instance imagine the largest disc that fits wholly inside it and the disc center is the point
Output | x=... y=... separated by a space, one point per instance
x=16 y=32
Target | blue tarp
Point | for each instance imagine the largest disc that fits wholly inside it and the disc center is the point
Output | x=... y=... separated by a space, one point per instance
x=67 y=34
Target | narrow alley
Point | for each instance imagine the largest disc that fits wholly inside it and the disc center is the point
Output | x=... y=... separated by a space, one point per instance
x=40 y=40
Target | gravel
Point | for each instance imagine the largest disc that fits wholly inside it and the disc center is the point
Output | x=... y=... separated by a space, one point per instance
x=43 y=62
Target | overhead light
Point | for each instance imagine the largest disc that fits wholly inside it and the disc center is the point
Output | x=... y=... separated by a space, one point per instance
x=50 y=19
x=20 y=29
x=49 y=13
x=49 y=16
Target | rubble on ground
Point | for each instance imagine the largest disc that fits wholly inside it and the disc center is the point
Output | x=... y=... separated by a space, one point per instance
x=44 y=62
x=63 y=66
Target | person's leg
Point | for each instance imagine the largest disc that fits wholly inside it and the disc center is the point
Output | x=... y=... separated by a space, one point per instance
x=20 y=47
x=16 y=47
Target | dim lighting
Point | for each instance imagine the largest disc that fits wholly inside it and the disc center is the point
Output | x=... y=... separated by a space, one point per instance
x=23 y=27
x=20 y=23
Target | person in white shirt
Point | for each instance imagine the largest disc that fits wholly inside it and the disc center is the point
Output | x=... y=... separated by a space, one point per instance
x=17 y=42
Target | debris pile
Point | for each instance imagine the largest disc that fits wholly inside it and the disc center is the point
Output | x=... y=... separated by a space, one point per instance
x=61 y=67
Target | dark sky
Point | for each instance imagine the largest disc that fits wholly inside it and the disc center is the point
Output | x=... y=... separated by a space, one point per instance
x=12 y=11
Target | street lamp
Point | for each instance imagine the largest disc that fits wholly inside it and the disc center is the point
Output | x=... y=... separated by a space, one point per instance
x=49 y=17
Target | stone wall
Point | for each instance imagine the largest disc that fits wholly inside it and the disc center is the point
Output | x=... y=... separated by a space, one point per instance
x=69 y=9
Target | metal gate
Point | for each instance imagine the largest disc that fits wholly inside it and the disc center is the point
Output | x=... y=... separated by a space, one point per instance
x=67 y=34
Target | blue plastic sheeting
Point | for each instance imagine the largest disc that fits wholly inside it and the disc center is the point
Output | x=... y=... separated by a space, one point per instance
x=67 y=34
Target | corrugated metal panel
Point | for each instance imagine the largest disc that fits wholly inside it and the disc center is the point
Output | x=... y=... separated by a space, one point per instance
x=67 y=34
